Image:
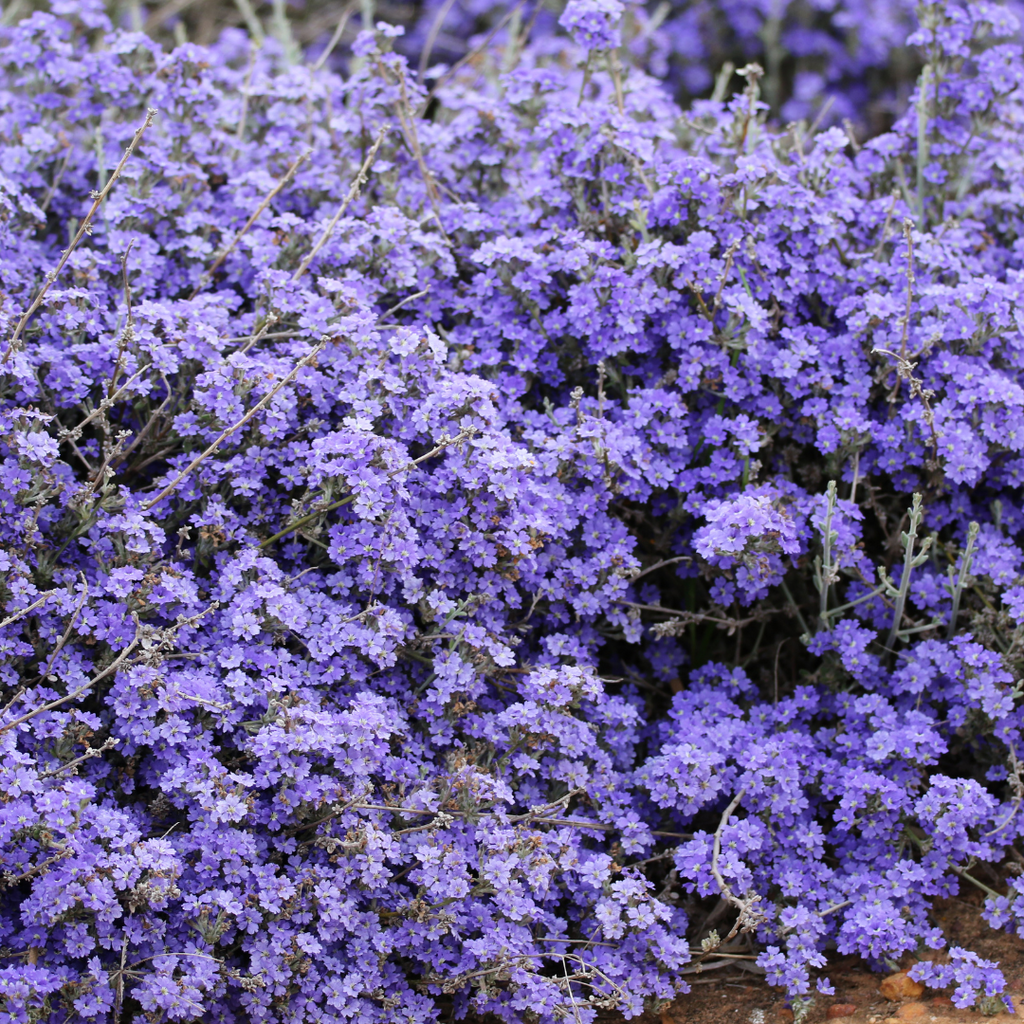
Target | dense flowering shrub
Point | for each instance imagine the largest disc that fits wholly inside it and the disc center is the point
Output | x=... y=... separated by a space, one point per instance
x=507 y=544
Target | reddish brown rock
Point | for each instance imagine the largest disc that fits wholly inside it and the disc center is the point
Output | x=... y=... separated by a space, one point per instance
x=941 y=1001
x=899 y=986
x=911 y=1011
x=784 y=1016
x=837 y=1010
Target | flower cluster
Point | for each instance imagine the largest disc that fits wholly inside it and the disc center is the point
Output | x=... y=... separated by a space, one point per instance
x=748 y=530
x=498 y=542
x=967 y=971
x=593 y=23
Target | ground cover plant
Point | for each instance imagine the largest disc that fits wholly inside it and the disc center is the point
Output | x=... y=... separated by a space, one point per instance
x=496 y=539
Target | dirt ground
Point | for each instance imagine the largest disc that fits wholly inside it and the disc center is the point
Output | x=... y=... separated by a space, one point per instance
x=746 y=1000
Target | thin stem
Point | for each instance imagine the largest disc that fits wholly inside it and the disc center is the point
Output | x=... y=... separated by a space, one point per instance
x=119 y=995
x=275 y=336
x=934 y=624
x=83 y=229
x=76 y=432
x=908 y=234
x=435 y=31
x=796 y=608
x=244 y=112
x=408 y=123
x=153 y=418
x=660 y=565
x=463 y=61
x=860 y=600
x=225 y=253
x=716 y=849
x=266 y=399
x=110 y=669
x=580 y=942
x=747 y=916
x=357 y=184
x=732 y=625
x=730 y=255
x=922 y=139
x=252 y=23
x=962 y=873
x=445 y=442
x=909 y=561
x=261 y=334
x=616 y=74
x=92 y=752
x=1018 y=787
x=58 y=177
x=965 y=568
x=128 y=333
x=27 y=611
x=71 y=626
x=283 y=31
x=886 y=225
x=336 y=38
x=597 y=826
x=409 y=298
x=826 y=570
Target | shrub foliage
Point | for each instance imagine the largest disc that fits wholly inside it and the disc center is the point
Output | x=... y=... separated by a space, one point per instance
x=499 y=540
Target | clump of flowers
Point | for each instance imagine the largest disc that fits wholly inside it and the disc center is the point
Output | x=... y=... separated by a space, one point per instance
x=747 y=531
x=593 y=23
x=970 y=975
x=498 y=543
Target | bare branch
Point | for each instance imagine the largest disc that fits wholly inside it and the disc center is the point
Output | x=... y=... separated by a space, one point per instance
x=229 y=249
x=357 y=184
x=27 y=611
x=88 y=755
x=230 y=430
x=82 y=231
x=109 y=670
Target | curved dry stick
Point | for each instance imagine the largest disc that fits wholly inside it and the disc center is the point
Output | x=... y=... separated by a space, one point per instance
x=230 y=430
x=398 y=305
x=98 y=198
x=745 y=918
x=207 y=275
x=25 y=611
x=357 y=184
x=111 y=668
x=660 y=565
x=716 y=849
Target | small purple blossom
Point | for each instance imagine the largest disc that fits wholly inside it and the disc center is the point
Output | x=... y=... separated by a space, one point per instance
x=593 y=24
x=971 y=975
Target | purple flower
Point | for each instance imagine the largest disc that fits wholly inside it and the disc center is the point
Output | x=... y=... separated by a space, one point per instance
x=593 y=24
